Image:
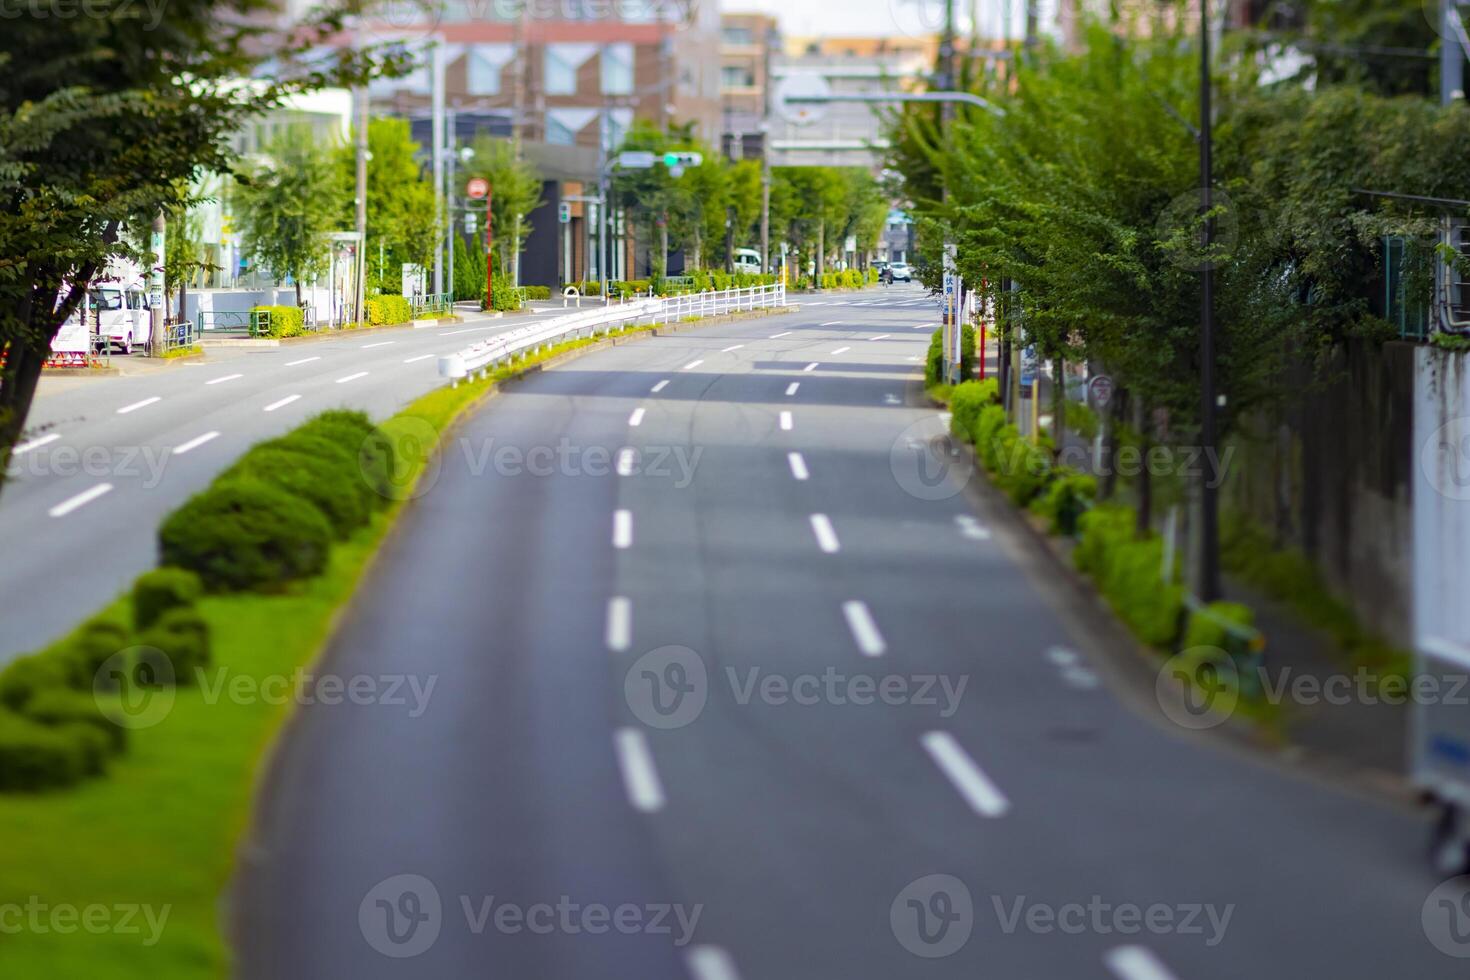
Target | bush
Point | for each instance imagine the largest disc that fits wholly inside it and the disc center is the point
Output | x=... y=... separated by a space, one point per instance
x=26 y=677
x=1066 y=499
x=934 y=363
x=339 y=494
x=34 y=757
x=86 y=650
x=965 y=402
x=354 y=433
x=386 y=310
x=245 y=534
x=1128 y=572
x=182 y=636
x=537 y=292
x=63 y=707
x=1081 y=419
x=1209 y=626
x=282 y=321
x=158 y=591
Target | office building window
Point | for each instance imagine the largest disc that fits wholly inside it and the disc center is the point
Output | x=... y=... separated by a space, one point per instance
x=484 y=65
x=562 y=63
x=617 y=68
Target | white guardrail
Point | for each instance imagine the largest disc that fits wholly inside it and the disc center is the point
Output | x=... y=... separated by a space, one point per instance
x=488 y=354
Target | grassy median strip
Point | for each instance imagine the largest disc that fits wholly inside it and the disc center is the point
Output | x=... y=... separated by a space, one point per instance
x=120 y=876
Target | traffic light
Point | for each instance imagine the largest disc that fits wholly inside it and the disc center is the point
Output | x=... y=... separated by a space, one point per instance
x=682 y=158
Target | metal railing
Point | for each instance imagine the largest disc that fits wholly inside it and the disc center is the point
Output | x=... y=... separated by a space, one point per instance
x=487 y=354
x=432 y=304
x=176 y=335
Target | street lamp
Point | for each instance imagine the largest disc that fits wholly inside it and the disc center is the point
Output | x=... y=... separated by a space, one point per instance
x=1209 y=570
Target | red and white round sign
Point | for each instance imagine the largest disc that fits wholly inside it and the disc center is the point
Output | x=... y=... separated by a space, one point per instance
x=477 y=188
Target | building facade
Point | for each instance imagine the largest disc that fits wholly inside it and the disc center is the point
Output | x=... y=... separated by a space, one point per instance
x=747 y=43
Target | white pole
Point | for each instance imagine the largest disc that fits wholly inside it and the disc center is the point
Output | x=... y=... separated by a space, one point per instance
x=437 y=133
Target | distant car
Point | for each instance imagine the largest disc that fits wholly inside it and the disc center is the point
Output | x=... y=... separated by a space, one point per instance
x=747 y=260
x=902 y=271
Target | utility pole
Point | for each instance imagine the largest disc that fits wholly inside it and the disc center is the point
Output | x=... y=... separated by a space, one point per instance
x=453 y=227
x=1452 y=53
x=1209 y=570
x=156 y=282
x=437 y=138
x=360 y=140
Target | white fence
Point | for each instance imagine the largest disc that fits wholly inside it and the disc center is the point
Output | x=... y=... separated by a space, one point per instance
x=486 y=354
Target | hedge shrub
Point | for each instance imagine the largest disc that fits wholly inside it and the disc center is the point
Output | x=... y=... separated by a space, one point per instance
x=283 y=321
x=356 y=434
x=34 y=757
x=338 y=493
x=387 y=310
x=162 y=589
x=965 y=402
x=182 y=636
x=60 y=706
x=25 y=677
x=1128 y=572
x=1066 y=499
x=245 y=534
x=934 y=363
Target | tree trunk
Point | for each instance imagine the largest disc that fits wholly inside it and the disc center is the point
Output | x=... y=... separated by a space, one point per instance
x=1110 y=421
x=1145 y=478
x=1058 y=407
x=297 y=281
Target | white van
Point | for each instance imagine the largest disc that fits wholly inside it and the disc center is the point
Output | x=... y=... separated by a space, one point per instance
x=121 y=312
x=747 y=260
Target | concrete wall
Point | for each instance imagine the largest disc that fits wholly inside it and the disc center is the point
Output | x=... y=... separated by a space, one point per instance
x=241 y=300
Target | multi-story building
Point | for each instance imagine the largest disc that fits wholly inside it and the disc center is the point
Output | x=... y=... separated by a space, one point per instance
x=747 y=43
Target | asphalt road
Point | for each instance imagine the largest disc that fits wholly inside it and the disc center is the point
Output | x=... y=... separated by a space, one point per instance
x=728 y=709
x=103 y=460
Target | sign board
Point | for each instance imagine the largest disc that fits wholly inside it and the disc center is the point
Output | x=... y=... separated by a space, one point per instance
x=564 y=212
x=477 y=188
x=415 y=280
x=1100 y=390
x=792 y=97
x=1030 y=365
x=636 y=159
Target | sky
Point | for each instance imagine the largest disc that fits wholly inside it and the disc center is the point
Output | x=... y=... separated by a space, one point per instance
x=885 y=18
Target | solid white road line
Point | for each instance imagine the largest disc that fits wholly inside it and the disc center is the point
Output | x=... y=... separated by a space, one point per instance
x=732 y=347
x=381 y=343
x=35 y=443
x=282 y=403
x=195 y=443
x=640 y=778
x=80 y=500
x=137 y=405
x=304 y=360
x=710 y=963
x=810 y=367
x=625 y=462
x=971 y=528
x=352 y=377
x=842 y=350
x=826 y=535
x=798 y=466
x=831 y=323
x=636 y=418
x=783 y=333
x=881 y=336
x=220 y=381
x=421 y=357
x=864 y=630
x=786 y=421
x=977 y=789
x=619 y=622
x=791 y=388
x=1136 y=963
x=456 y=333
x=622 y=529
x=659 y=387
x=692 y=365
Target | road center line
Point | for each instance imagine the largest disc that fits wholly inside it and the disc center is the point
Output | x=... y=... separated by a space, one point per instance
x=35 y=443
x=80 y=500
x=625 y=462
x=798 y=466
x=977 y=789
x=195 y=443
x=352 y=377
x=640 y=778
x=711 y=963
x=421 y=357
x=881 y=336
x=810 y=367
x=622 y=529
x=381 y=343
x=842 y=350
x=971 y=528
x=692 y=365
x=1136 y=963
x=619 y=623
x=220 y=381
x=786 y=421
x=282 y=403
x=864 y=630
x=636 y=418
x=732 y=347
x=137 y=405
x=826 y=535
x=783 y=333
x=791 y=388
x=304 y=360
x=659 y=387
x=831 y=323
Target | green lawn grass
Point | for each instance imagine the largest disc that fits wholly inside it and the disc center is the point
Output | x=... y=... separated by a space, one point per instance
x=161 y=828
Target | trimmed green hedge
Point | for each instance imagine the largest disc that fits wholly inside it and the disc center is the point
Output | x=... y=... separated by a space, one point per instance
x=246 y=534
x=1128 y=572
x=934 y=363
x=388 y=310
x=158 y=591
x=282 y=321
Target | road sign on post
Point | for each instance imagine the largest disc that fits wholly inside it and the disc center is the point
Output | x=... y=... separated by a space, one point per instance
x=477 y=188
x=564 y=212
x=636 y=160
